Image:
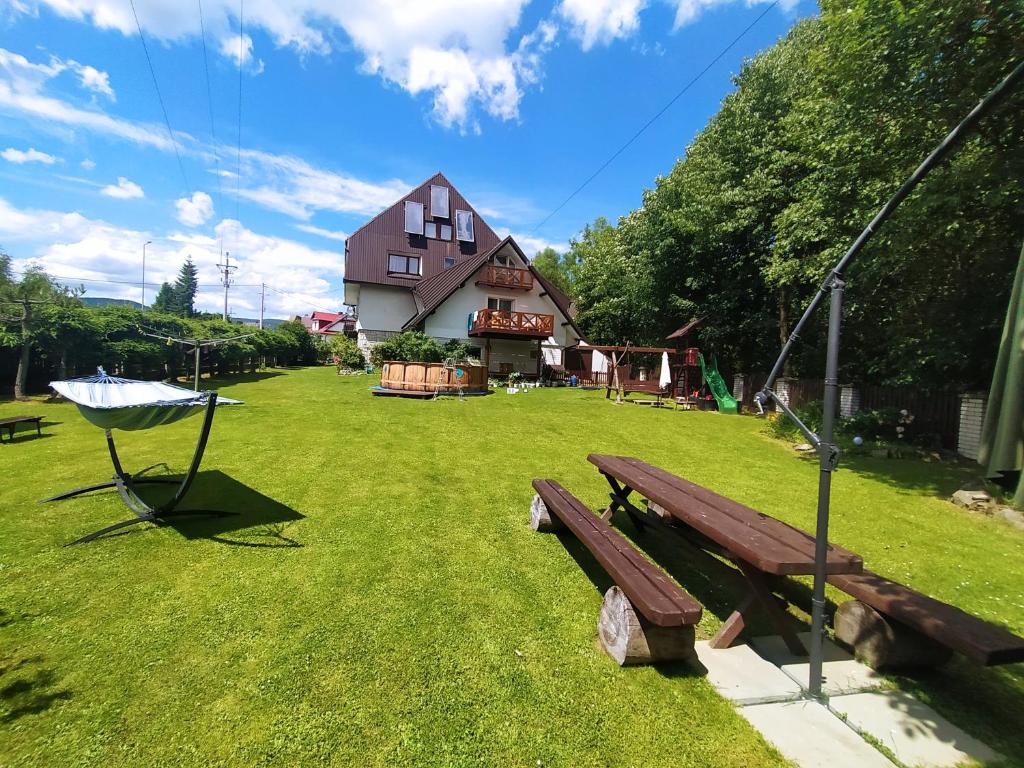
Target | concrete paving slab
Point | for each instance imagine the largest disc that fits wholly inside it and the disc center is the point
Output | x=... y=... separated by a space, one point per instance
x=812 y=737
x=843 y=673
x=916 y=734
x=743 y=677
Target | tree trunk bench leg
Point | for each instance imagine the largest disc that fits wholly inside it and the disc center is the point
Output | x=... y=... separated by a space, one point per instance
x=881 y=642
x=630 y=639
x=541 y=519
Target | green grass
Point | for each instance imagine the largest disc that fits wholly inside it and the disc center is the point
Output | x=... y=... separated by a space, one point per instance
x=382 y=600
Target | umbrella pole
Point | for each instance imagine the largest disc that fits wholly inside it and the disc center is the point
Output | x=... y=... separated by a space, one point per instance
x=828 y=455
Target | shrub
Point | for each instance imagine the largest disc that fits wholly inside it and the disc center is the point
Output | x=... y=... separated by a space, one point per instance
x=460 y=349
x=347 y=353
x=782 y=427
x=414 y=346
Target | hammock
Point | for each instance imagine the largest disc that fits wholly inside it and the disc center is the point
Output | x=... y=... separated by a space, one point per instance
x=113 y=403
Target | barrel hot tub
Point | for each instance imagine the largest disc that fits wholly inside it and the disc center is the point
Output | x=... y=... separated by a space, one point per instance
x=433 y=377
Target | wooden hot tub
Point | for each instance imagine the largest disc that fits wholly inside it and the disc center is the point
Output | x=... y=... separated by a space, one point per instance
x=431 y=377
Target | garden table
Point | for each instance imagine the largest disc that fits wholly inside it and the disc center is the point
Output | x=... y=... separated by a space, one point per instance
x=760 y=546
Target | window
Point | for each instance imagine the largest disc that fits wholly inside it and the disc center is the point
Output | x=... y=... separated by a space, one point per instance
x=502 y=305
x=413 y=217
x=400 y=264
x=430 y=229
x=449 y=262
x=439 y=201
x=502 y=260
x=464 y=225
x=446 y=231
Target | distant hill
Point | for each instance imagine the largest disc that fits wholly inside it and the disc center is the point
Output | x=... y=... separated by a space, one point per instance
x=102 y=301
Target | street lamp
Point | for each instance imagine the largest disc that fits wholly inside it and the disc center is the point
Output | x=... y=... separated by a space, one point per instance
x=148 y=242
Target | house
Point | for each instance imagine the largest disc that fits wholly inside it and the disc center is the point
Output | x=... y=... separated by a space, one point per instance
x=327 y=324
x=431 y=263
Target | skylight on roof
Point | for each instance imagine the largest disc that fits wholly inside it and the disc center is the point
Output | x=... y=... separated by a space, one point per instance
x=464 y=226
x=413 y=217
x=439 y=201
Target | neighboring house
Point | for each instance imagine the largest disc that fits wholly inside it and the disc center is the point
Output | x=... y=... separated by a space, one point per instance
x=327 y=324
x=431 y=263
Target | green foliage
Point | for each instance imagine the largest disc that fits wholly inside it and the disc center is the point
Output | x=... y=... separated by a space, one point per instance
x=302 y=343
x=183 y=295
x=409 y=345
x=559 y=268
x=821 y=129
x=165 y=300
x=346 y=352
x=459 y=349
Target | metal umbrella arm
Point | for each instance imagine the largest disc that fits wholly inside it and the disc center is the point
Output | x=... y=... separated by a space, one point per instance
x=126 y=486
x=833 y=285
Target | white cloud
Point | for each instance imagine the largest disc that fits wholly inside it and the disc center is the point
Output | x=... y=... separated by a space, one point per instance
x=21 y=92
x=602 y=21
x=688 y=11
x=92 y=79
x=123 y=190
x=532 y=245
x=31 y=155
x=195 y=211
x=457 y=51
x=330 y=234
x=95 y=253
x=88 y=164
x=238 y=48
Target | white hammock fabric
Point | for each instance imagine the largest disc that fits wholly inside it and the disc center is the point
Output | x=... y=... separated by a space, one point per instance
x=114 y=403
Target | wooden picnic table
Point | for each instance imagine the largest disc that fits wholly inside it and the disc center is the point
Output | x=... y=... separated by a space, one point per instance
x=11 y=422
x=760 y=546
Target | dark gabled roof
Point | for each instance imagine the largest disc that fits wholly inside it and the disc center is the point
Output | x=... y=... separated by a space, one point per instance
x=367 y=249
x=434 y=292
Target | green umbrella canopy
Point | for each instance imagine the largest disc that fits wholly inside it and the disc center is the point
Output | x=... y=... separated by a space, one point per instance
x=1001 y=452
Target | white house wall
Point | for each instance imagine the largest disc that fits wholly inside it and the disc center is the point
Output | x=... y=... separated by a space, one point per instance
x=383 y=308
x=451 y=319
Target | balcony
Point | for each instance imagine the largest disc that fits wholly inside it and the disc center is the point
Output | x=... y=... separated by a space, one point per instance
x=502 y=323
x=506 y=277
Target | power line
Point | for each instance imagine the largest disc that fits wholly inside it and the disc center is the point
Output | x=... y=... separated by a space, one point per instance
x=156 y=86
x=238 y=154
x=209 y=103
x=658 y=114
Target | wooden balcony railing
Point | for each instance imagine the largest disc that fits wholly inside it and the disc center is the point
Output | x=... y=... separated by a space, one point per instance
x=506 y=277
x=498 y=321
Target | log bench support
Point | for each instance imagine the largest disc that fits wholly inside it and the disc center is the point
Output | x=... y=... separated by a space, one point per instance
x=645 y=618
x=884 y=643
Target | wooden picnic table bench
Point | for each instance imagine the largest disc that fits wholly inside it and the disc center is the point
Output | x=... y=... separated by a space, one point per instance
x=664 y=628
x=886 y=643
x=760 y=546
x=11 y=422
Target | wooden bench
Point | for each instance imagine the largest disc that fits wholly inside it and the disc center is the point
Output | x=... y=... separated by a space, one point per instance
x=646 y=617
x=916 y=630
x=13 y=421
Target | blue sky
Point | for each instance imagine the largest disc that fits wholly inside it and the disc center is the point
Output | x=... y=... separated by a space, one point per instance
x=345 y=106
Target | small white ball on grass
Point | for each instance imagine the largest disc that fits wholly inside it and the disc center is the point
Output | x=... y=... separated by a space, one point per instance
x=858 y=440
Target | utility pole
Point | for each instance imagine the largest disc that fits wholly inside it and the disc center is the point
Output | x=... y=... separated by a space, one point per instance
x=263 y=296
x=226 y=270
x=148 y=242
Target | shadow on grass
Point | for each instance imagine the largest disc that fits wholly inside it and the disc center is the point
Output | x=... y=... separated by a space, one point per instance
x=253 y=520
x=28 y=688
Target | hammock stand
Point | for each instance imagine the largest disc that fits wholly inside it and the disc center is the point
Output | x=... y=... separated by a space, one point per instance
x=160 y=412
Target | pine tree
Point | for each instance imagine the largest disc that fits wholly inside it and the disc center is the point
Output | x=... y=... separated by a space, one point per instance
x=185 y=288
x=165 y=300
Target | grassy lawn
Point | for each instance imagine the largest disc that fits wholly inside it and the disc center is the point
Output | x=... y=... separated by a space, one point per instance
x=381 y=599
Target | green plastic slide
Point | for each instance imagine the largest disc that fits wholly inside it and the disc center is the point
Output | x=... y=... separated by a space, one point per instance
x=726 y=402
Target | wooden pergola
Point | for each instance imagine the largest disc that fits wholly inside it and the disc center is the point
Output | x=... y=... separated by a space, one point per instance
x=617 y=354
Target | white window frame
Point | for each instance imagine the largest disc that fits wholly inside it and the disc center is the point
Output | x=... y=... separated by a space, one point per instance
x=440 y=232
x=445 y=263
x=411 y=205
x=428 y=227
x=465 y=216
x=437 y=210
